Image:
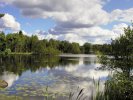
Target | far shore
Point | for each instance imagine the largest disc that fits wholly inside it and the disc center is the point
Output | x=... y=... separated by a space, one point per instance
x=17 y=53
x=60 y=55
x=77 y=55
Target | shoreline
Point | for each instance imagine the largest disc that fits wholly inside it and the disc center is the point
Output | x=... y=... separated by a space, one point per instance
x=17 y=53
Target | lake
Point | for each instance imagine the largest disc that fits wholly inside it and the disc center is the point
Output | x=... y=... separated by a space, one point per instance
x=41 y=77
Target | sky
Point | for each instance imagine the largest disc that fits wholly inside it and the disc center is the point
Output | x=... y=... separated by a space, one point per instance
x=93 y=21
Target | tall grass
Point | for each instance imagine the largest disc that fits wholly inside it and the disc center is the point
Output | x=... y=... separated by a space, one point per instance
x=98 y=95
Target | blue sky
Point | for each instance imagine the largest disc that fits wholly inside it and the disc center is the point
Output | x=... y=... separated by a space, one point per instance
x=28 y=24
x=95 y=21
x=118 y=4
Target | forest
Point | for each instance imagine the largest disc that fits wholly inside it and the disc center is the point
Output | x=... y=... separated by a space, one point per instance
x=18 y=43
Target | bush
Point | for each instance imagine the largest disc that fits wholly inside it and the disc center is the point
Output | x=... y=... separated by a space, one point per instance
x=51 y=51
x=7 y=51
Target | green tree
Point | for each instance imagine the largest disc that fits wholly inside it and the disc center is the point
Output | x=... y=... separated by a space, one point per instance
x=1 y=15
x=51 y=51
x=65 y=47
x=52 y=43
x=39 y=47
x=87 y=48
x=123 y=46
x=119 y=86
x=2 y=41
x=33 y=42
x=75 y=48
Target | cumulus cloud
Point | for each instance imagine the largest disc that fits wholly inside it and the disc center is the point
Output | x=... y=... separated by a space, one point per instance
x=67 y=13
x=76 y=20
x=44 y=35
x=119 y=29
x=122 y=15
x=96 y=35
x=9 y=22
x=6 y=1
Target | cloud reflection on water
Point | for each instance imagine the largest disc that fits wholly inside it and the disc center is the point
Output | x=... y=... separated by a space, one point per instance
x=9 y=77
x=61 y=78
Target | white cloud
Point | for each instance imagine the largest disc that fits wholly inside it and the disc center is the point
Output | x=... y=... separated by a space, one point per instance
x=67 y=13
x=24 y=32
x=9 y=22
x=45 y=35
x=95 y=35
x=7 y=1
x=119 y=29
x=122 y=15
x=76 y=20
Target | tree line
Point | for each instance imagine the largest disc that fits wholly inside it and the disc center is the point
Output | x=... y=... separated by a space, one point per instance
x=20 y=43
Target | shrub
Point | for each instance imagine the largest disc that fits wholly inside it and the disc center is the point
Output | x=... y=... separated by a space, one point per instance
x=7 y=51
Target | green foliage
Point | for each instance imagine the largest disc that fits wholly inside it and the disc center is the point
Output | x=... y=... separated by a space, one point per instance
x=1 y=15
x=66 y=47
x=119 y=86
x=105 y=48
x=19 y=43
x=51 y=51
x=75 y=48
x=87 y=48
x=7 y=51
x=39 y=47
x=123 y=46
x=2 y=41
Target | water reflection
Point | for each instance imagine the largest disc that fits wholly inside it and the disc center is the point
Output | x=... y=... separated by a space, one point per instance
x=19 y=64
x=9 y=77
x=120 y=85
x=30 y=75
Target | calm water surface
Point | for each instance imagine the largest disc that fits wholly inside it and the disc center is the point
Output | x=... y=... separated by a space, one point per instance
x=37 y=77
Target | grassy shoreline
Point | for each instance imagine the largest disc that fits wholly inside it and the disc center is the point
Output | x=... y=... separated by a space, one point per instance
x=17 y=53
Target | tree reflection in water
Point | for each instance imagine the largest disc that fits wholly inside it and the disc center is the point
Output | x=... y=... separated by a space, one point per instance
x=19 y=63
